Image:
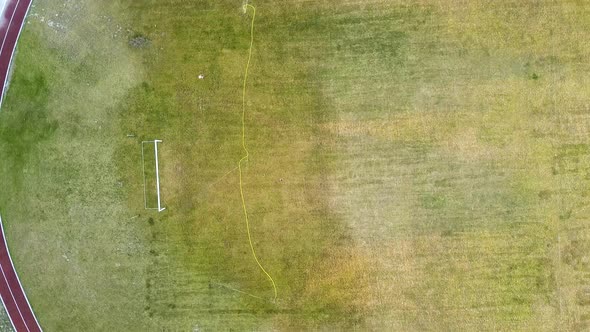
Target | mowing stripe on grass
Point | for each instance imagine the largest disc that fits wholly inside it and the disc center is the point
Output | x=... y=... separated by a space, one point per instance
x=245 y=157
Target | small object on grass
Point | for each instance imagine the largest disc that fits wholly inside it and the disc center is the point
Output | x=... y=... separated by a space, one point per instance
x=139 y=41
x=201 y=76
x=130 y=135
x=134 y=217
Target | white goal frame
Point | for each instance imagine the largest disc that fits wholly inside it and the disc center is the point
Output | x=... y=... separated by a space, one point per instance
x=159 y=208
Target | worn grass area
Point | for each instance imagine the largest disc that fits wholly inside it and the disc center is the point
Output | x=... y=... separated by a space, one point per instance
x=413 y=165
x=80 y=257
x=5 y=325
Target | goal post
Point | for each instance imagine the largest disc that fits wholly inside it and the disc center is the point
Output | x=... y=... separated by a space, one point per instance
x=151 y=175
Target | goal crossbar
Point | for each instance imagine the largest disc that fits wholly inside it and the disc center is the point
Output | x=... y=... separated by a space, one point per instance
x=159 y=195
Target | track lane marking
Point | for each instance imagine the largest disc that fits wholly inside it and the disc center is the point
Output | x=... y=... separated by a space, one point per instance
x=13 y=298
x=8 y=27
x=17 y=278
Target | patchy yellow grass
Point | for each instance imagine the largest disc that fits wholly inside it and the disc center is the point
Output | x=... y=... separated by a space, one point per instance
x=414 y=165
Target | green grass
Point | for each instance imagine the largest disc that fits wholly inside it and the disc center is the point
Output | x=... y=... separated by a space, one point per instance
x=5 y=325
x=412 y=166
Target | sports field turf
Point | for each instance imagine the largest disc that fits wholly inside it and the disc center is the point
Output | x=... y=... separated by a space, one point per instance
x=4 y=321
x=413 y=165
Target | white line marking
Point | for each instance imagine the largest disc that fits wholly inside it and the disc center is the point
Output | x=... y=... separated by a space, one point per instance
x=158 y=176
x=9 y=25
x=17 y=278
x=4 y=305
x=237 y=290
x=14 y=299
x=12 y=54
x=159 y=207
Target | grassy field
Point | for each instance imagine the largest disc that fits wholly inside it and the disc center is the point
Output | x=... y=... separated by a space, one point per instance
x=414 y=165
x=4 y=321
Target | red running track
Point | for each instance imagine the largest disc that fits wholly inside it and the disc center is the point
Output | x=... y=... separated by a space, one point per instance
x=11 y=291
x=11 y=23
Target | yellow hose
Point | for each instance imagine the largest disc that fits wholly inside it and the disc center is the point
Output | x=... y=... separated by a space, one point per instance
x=245 y=157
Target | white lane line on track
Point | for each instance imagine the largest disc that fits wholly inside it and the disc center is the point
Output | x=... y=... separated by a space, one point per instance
x=8 y=28
x=11 y=322
x=10 y=63
x=14 y=299
x=17 y=278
